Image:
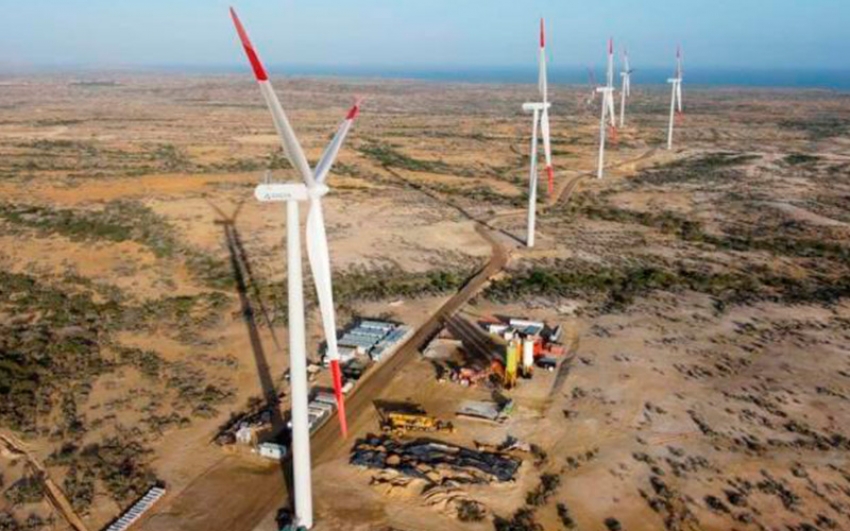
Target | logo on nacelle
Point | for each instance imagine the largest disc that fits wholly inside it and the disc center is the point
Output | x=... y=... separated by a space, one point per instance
x=277 y=192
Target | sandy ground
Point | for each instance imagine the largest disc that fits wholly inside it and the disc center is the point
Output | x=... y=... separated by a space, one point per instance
x=667 y=388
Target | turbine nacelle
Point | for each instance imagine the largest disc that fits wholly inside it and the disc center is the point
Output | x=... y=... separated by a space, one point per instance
x=281 y=192
x=532 y=107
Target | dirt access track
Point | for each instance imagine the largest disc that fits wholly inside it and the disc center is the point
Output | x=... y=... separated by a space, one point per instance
x=234 y=494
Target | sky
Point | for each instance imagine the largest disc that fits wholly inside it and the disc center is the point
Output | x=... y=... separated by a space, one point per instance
x=409 y=34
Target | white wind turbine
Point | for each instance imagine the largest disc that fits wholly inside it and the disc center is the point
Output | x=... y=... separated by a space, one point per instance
x=675 y=96
x=541 y=116
x=591 y=80
x=309 y=191
x=626 y=90
x=608 y=111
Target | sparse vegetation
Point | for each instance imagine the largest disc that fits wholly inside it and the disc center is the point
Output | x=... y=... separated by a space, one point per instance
x=470 y=511
x=118 y=463
x=118 y=221
x=797 y=159
x=702 y=169
x=522 y=520
x=28 y=489
x=549 y=483
x=56 y=347
x=817 y=127
x=618 y=286
x=389 y=156
x=360 y=283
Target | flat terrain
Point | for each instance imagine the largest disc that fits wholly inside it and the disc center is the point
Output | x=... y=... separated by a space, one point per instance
x=142 y=298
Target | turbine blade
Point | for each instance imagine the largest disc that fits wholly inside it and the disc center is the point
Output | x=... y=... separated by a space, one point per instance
x=679 y=61
x=542 y=33
x=329 y=156
x=317 y=252
x=679 y=95
x=547 y=147
x=542 y=81
x=290 y=144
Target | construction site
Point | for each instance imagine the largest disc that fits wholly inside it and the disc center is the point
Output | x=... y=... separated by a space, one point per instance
x=147 y=322
x=265 y=430
x=462 y=429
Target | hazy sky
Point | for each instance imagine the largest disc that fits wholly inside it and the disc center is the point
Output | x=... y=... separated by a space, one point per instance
x=423 y=33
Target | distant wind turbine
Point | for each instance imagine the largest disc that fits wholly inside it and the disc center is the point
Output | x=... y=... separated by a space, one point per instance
x=541 y=116
x=675 y=96
x=591 y=79
x=608 y=111
x=311 y=191
x=626 y=90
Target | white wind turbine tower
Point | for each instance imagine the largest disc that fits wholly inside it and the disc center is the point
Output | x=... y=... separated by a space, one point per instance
x=607 y=109
x=541 y=116
x=626 y=89
x=309 y=191
x=675 y=96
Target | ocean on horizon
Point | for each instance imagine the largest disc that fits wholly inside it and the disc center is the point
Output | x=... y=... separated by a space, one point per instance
x=696 y=76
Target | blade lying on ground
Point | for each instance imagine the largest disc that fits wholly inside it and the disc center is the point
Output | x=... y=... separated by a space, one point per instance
x=317 y=252
x=291 y=147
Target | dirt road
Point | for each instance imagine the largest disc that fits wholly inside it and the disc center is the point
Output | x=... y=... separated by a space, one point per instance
x=54 y=493
x=237 y=495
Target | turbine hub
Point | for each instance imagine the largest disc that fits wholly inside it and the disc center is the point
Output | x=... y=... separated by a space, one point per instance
x=317 y=190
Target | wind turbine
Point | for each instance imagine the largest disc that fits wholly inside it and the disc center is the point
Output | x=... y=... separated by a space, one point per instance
x=591 y=79
x=310 y=191
x=540 y=112
x=607 y=109
x=675 y=96
x=626 y=90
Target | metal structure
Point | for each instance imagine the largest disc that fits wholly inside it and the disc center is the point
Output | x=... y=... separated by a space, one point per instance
x=608 y=111
x=310 y=191
x=626 y=88
x=511 y=363
x=675 y=96
x=540 y=112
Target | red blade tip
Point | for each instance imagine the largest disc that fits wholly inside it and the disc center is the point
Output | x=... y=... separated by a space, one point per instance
x=354 y=110
x=256 y=65
x=336 y=375
x=542 y=34
x=610 y=45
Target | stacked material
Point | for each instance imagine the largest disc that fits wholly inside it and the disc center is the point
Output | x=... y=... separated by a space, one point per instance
x=435 y=462
x=375 y=338
x=486 y=410
x=137 y=510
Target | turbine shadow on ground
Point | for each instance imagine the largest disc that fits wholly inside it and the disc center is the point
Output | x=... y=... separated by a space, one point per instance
x=243 y=280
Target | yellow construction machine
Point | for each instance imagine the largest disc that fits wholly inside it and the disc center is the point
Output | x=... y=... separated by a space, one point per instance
x=402 y=422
